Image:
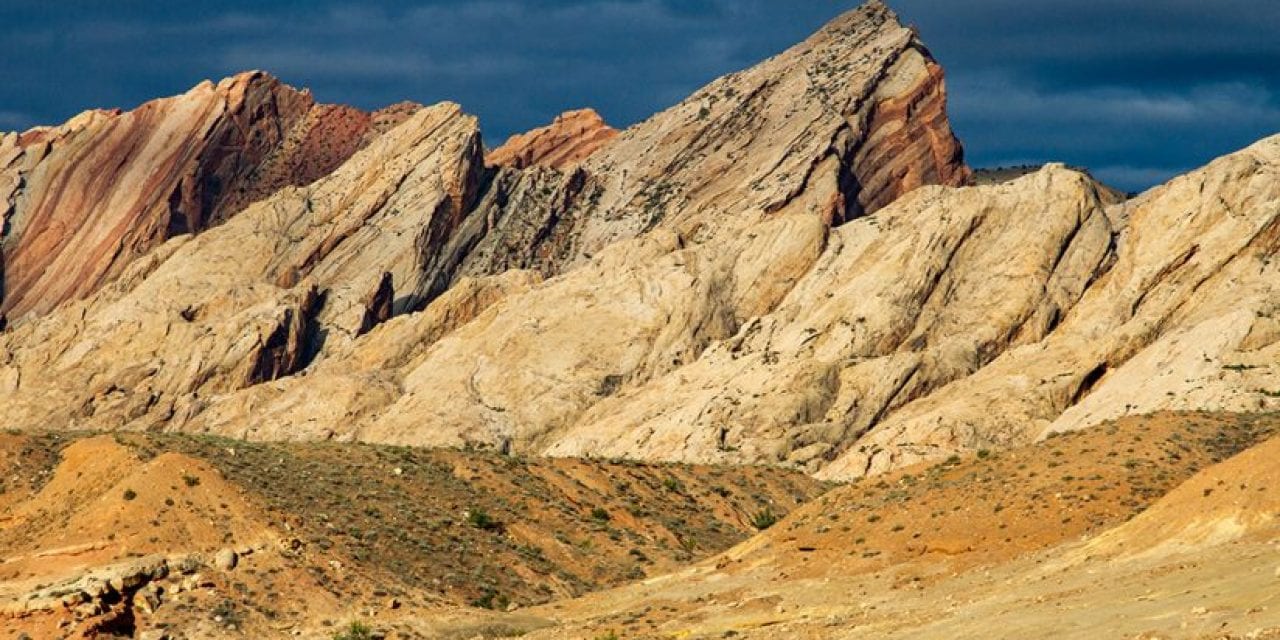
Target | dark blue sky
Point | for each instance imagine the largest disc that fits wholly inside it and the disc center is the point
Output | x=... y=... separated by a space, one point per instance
x=1138 y=90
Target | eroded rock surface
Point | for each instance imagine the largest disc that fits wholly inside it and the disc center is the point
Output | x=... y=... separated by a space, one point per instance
x=252 y=300
x=781 y=269
x=81 y=201
x=569 y=139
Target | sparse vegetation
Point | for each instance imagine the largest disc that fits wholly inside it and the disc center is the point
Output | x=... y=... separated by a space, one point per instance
x=764 y=519
x=439 y=519
x=480 y=519
x=354 y=631
x=130 y=494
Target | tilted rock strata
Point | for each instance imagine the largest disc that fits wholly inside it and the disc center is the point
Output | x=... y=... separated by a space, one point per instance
x=671 y=239
x=732 y=191
x=1183 y=320
x=255 y=299
x=716 y=252
x=569 y=139
x=854 y=113
x=716 y=284
x=925 y=292
x=81 y=201
x=950 y=320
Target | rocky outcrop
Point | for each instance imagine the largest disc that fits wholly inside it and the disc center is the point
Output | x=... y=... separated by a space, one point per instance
x=853 y=113
x=710 y=228
x=569 y=139
x=81 y=201
x=726 y=282
x=285 y=321
x=898 y=305
x=254 y=299
x=1180 y=318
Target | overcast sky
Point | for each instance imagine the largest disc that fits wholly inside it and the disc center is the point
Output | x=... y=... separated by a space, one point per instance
x=1137 y=90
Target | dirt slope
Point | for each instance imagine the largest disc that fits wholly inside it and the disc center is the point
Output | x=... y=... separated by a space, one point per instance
x=328 y=532
x=936 y=551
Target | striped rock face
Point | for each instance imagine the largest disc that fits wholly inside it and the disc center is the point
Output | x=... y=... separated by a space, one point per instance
x=243 y=261
x=81 y=201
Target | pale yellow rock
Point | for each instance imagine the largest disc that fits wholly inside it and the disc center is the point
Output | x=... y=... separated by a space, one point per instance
x=250 y=301
x=725 y=282
x=1183 y=319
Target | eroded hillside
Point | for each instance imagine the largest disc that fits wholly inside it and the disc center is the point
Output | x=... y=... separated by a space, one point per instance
x=340 y=532
x=1155 y=526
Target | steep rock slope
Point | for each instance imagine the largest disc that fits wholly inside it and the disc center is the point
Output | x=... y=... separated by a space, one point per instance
x=834 y=127
x=721 y=283
x=899 y=304
x=1183 y=317
x=80 y=201
x=980 y=318
x=674 y=235
x=254 y=299
x=950 y=320
x=663 y=242
x=569 y=139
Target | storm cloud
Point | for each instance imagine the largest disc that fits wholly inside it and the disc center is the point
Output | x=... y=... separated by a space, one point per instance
x=1137 y=91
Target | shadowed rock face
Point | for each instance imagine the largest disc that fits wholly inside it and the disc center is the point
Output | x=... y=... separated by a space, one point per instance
x=571 y=138
x=83 y=200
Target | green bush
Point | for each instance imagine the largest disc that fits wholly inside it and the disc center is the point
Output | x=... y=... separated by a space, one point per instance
x=355 y=631
x=481 y=520
x=764 y=519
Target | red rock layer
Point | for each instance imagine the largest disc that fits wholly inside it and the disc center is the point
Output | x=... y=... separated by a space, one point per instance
x=911 y=143
x=571 y=138
x=79 y=202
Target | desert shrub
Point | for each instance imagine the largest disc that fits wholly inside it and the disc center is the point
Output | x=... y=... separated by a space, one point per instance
x=354 y=631
x=764 y=518
x=491 y=600
x=479 y=519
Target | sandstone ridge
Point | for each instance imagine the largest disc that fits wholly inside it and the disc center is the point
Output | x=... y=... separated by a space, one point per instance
x=79 y=202
x=785 y=268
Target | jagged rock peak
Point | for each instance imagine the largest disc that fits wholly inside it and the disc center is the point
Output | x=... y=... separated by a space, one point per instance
x=569 y=139
x=81 y=201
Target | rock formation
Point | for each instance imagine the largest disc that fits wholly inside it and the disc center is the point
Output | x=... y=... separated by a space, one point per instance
x=783 y=269
x=79 y=202
x=254 y=299
x=302 y=277
x=569 y=139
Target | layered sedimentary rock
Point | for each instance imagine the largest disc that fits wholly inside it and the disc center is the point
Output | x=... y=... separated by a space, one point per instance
x=696 y=220
x=854 y=113
x=1182 y=317
x=664 y=241
x=81 y=201
x=569 y=139
x=780 y=269
x=254 y=299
